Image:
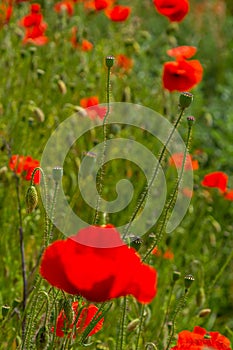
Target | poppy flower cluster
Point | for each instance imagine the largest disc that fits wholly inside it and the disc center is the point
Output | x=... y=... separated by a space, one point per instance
x=34 y=26
x=24 y=166
x=99 y=266
x=91 y=104
x=200 y=339
x=177 y=160
x=81 y=320
x=219 y=180
x=174 y=10
x=182 y=74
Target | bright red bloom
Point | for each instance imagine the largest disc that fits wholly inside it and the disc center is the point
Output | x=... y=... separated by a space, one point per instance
x=177 y=159
x=102 y=4
x=25 y=166
x=78 y=43
x=175 y=10
x=92 y=106
x=34 y=26
x=182 y=75
x=200 y=339
x=182 y=52
x=118 y=13
x=124 y=63
x=98 y=265
x=63 y=326
x=64 y=6
x=216 y=179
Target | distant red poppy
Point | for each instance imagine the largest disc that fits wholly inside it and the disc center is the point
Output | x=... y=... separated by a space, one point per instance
x=92 y=106
x=25 y=166
x=78 y=43
x=168 y=254
x=228 y=195
x=65 y=6
x=216 y=179
x=118 y=13
x=124 y=63
x=177 y=159
x=6 y=10
x=182 y=75
x=200 y=339
x=107 y=267
x=174 y=10
x=103 y=4
x=63 y=326
x=182 y=52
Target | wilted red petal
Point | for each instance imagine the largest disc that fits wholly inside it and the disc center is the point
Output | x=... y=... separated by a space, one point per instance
x=216 y=179
x=181 y=52
x=174 y=10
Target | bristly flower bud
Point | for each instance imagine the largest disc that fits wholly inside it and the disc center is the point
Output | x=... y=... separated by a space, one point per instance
x=133 y=324
x=31 y=199
x=109 y=61
x=57 y=174
x=204 y=312
x=175 y=276
x=188 y=280
x=190 y=120
x=185 y=100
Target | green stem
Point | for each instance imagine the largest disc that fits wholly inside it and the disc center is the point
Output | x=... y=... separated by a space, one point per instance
x=171 y=201
x=101 y=173
x=121 y=336
x=52 y=211
x=154 y=175
x=140 y=327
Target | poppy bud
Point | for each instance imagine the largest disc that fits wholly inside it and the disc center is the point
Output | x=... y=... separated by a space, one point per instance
x=188 y=280
x=31 y=199
x=185 y=100
x=175 y=276
x=62 y=86
x=109 y=61
x=5 y=310
x=204 y=312
x=57 y=174
x=133 y=324
x=39 y=114
x=42 y=338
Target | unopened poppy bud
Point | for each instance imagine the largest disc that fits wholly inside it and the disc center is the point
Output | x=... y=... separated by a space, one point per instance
x=31 y=199
x=175 y=276
x=185 y=100
x=190 y=120
x=188 y=280
x=39 y=114
x=62 y=86
x=204 y=312
x=57 y=174
x=133 y=324
x=109 y=61
x=5 y=310
x=42 y=338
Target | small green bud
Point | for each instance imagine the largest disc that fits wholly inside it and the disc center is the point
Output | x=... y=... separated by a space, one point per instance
x=188 y=280
x=57 y=174
x=31 y=199
x=185 y=100
x=175 y=276
x=109 y=61
x=190 y=120
x=42 y=338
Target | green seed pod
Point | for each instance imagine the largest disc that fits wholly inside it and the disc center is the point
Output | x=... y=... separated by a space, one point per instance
x=109 y=61
x=42 y=338
x=175 y=276
x=190 y=120
x=57 y=174
x=185 y=100
x=188 y=280
x=31 y=199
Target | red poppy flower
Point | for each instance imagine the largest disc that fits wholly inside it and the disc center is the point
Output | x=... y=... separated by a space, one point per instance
x=64 y=6
x=124 y=63
x=168 y=254
x=92 y=106
x=182 y=75
x=25 y=166
x=98 y=265
x=84 y=319
x=177 y=159
x=175 y=10
x=118 y=13
x=6 y=10
x=103 y=4
x=200 y=339
x=216 y=179
x=182 y=52
x=78 y=43
x=229 y=195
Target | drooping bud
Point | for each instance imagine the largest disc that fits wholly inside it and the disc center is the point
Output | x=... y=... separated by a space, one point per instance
x=175 y=276
x=5 y=310
x=31 y=199
x=188 y=280
x=204 y=312
x=62 y=86
x=133 y=324
x=185 y=100
x=109 y=61
x=57 y=174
